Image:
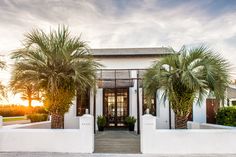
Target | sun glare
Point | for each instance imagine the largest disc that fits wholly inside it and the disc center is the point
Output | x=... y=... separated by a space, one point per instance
x=16 y=99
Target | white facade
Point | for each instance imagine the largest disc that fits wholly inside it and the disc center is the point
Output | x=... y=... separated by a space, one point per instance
x=133 y=63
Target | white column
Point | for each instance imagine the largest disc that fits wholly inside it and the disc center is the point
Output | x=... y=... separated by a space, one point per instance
x=71 y=121
x=133 y=97
x=162 y=107
x=87 y=129
x=147 y=128
x=199 y=111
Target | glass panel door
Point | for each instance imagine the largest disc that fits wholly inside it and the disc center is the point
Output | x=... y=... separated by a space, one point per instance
x=116 y=106
x=122 y=106
x=109 y=106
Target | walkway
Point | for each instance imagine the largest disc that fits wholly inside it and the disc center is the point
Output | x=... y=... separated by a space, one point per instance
x=16 y=122
x=117 y=142
x=27 y=154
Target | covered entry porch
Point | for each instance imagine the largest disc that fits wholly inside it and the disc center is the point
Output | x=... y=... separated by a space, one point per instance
x=119 y=95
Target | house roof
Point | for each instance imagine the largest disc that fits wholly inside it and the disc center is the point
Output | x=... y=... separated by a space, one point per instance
x=231 y=92
x=110 y=52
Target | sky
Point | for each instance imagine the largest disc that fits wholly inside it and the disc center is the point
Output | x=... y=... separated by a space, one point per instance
x=124 y=23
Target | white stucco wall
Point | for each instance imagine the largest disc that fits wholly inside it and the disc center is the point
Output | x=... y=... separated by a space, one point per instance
x=162 y=111
x=185 y=142
x=36 y=125
x=50 y=140
x=196 y=125
x=71 y=121
x=1 y=122
x=199 y=111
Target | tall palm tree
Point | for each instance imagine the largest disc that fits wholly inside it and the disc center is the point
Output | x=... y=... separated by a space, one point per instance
x=187 y=76
x=60 y=64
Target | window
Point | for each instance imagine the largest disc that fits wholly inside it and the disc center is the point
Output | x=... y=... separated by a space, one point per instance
x=233 y=103
x=152 y=108
x=82 y=102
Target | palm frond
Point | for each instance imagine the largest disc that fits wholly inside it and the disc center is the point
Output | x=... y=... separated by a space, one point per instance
x=188 y=75
x=55 y=61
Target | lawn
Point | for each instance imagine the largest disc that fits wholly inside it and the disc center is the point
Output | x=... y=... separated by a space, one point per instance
x=11 y=119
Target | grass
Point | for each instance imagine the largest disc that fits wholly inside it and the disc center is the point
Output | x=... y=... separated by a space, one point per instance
x=11 y=119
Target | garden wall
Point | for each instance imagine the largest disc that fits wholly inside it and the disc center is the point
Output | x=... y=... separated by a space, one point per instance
x=36 y=125
x=195 y=125
x=49 y=140
x=1 y=122
x=205 y=141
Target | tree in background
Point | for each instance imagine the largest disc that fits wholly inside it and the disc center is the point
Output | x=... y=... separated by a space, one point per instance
x=3 y=93
x=187 y=76
x=60 y=64
x=28 y=91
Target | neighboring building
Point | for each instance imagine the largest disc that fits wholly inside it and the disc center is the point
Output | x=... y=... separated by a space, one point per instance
x=231 y=95
x=212 y=105
x=119 y=90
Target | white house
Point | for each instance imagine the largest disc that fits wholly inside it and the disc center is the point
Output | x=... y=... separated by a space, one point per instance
x=119 y=90
x=231 y=95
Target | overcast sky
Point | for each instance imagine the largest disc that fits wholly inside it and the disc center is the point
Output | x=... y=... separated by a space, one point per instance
x=125 y=23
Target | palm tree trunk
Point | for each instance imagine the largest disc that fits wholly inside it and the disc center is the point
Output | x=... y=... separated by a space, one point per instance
x=181 y=122
x=57 y=121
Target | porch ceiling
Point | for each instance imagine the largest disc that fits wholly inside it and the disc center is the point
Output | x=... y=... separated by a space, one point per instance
x=117 y=78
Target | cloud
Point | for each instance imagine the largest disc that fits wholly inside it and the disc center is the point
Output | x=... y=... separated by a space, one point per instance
x=111 y=23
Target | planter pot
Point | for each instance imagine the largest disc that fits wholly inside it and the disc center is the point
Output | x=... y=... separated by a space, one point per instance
x=100 y=128
x=131 y=127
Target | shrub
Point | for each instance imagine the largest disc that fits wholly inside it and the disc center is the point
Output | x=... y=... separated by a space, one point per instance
x=13 y=110
x=130 y=120
x=226 y=116
x=39 y=109
x=37 y=117
x=18 y=110
x=101 y=121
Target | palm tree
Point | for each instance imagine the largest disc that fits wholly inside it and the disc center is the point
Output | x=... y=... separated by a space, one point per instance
x=28 y=91
x=60 y=64
x=187 y=76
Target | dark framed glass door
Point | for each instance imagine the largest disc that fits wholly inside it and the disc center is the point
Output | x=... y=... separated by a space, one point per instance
x=116 y=106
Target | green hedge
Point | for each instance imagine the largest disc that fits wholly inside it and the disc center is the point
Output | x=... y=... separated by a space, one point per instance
x=18 y=110
x=226 y=116
x=39 y=109
x=13 y=110
x=37 y=117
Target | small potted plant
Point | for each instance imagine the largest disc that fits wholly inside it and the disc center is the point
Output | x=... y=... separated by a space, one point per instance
x=130 y=121
x=101 y=122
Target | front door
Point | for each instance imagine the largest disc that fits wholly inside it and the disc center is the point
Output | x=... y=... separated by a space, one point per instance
x=116 y=106
x=212 y=105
